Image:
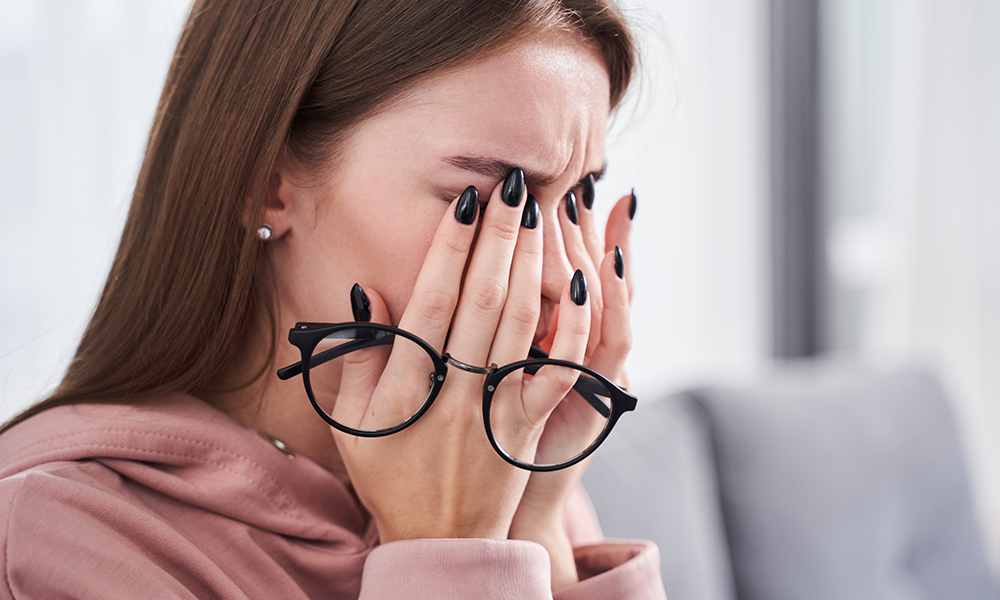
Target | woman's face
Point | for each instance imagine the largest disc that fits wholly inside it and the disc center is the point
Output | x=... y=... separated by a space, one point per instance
x=370 y=216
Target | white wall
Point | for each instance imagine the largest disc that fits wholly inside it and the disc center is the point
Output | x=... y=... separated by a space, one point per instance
x=914 y=181
x=696 y=149
x=80 y=83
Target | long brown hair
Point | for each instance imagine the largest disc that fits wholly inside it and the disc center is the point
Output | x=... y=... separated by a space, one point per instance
x=250 y=79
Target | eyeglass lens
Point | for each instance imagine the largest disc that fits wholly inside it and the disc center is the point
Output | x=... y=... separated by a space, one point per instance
x=577 y=421
x=347 y=388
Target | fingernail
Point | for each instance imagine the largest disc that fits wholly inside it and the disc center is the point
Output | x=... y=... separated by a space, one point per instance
x=529 y=219
x=619 y=263
x=571 y=210
x=588 y=192
x=360 y=305
x=468 y=206
x=513 y=187
x=578 y=288
x=631 y=208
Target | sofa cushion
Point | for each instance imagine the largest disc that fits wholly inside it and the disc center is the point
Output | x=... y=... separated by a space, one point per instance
x=845 y=487
x=654 y=479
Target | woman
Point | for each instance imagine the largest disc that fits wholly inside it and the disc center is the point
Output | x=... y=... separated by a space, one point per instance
x=412 y=164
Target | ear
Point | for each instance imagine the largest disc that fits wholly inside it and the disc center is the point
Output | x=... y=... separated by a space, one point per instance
x=277 y=205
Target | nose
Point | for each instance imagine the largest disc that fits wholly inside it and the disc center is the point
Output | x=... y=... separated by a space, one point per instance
x=556 y=268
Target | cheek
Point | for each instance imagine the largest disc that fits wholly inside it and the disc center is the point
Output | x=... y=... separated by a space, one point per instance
x=390 y=247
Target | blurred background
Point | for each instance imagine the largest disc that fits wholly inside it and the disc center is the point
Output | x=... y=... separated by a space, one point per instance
x=813 y=178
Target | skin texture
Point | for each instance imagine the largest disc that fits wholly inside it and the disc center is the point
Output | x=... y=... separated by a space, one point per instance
x=383 y=216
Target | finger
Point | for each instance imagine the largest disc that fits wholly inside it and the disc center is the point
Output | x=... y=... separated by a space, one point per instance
x=618 y=230
x=361 y=369
x=519 y=319
x=616 y=334
x=428 y=314
x=579 y=257
x=435 y=294
x=551 y=383
x=484 y=290
x=588 y=225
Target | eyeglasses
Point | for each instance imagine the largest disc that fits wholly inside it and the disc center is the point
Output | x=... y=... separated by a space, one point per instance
x=342 y=363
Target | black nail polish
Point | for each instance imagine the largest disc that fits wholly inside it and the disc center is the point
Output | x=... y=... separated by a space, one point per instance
x=619 y=263
x=513 y=188
x=588 y=192
x=571 y=210
x=578 y=288
x=468 y=206
x=360 y=305
x=631 y=207
x=529 y=219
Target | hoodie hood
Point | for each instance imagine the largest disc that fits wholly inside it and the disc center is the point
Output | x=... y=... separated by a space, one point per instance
x=189 y=451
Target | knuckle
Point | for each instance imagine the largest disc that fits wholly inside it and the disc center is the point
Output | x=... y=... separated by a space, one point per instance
x=578 y=327
x=531 y=252
x=523 y=316
x=488 y=295
x=458 y=245
x=620 y=343
x=436 y=304
x=618 y=302
x=503 y=229
x=563 y=379
x=597 y=304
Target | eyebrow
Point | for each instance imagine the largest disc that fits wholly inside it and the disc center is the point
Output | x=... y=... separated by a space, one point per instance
x=498 y=169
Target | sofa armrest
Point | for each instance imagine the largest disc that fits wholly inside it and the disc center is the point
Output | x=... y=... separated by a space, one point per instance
x=654 y=478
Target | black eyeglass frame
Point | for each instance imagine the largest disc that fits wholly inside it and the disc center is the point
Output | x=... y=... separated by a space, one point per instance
x=306 y=336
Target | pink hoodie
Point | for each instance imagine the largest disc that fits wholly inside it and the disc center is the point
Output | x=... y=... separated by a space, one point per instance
x=177 y=500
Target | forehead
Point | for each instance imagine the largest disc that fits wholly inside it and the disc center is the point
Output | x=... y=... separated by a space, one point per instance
x=542 y=105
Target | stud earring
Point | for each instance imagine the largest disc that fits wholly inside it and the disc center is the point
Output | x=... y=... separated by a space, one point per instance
x=265 y=232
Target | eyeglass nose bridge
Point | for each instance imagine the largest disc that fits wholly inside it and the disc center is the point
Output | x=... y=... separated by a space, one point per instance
x=451 y=360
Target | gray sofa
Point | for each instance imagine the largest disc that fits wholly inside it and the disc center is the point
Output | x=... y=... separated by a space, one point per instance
x=819 y=485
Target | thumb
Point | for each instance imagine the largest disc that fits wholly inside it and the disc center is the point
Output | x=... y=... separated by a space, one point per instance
x=362 y=369
x=368 y=309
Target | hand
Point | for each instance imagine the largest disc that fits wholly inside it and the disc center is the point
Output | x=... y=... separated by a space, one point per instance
x=440 y=477
x=540 y=516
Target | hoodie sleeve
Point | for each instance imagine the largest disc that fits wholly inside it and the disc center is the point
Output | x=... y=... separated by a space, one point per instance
x=479 y=568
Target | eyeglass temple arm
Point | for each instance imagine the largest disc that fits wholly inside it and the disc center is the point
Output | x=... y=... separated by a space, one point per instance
x=290 y=371
x=588 y=388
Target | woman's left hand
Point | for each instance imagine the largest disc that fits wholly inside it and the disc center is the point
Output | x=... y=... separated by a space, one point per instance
x=540 y=514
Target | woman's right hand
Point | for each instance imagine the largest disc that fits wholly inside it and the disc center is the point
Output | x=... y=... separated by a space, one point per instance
x=440 y=477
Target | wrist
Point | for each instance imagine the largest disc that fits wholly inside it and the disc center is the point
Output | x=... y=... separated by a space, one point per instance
x=439 y=524
x=550 y=533
x=427 y=530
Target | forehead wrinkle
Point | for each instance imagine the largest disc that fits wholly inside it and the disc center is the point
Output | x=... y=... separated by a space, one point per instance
x=598 y=175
